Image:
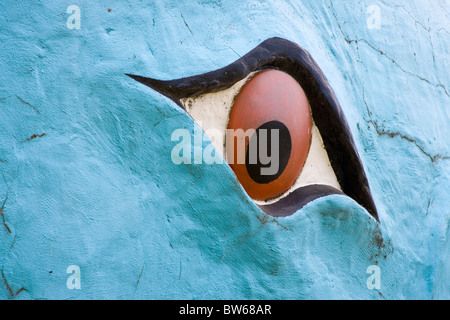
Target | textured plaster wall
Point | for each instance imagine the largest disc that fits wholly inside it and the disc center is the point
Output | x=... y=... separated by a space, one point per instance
x=87 y=178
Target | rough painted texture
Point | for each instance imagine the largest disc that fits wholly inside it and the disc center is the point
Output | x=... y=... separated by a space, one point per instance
x=87 y=177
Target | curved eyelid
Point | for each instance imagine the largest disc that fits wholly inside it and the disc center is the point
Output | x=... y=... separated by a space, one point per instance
x=281 y=54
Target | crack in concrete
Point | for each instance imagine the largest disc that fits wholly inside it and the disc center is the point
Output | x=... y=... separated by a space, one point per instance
x=2 y=210
x=392 y=134
x=2 y=213
x=414 y=18
x=356 y=41
x=420 y=23
x=28 y=104
x=417 y=22
x=428 y=206
x=9 y=288
x=383 y=131
x=233 y=51
x=265 y=218
x=443 y=29
x=34 y=136
x=187 y=26
x=139 y=277
x=13 y=242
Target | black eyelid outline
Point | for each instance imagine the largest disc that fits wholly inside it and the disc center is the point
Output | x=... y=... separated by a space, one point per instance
x=284 y=55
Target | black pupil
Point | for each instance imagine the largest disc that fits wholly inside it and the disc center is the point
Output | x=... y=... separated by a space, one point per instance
x=264 y=164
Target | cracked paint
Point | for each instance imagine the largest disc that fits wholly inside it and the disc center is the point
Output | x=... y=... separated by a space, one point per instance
x=98 y=189
x=356 y=41
x=28 y=104
x=11 y=291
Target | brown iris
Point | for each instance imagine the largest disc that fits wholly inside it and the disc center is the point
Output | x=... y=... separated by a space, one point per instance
x=271 y=121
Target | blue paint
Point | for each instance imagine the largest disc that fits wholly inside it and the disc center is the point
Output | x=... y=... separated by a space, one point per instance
x=100 y=191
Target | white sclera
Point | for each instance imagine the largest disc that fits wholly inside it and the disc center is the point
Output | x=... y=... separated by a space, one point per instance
x=211 y=111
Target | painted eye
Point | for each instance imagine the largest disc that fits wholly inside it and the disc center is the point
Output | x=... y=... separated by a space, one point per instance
x=269 y=134
x=275 y=117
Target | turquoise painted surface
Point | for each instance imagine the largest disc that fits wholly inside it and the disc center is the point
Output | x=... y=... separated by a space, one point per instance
x=99 y=190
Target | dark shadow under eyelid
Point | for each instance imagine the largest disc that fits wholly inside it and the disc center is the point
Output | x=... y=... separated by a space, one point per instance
x=291 y=204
